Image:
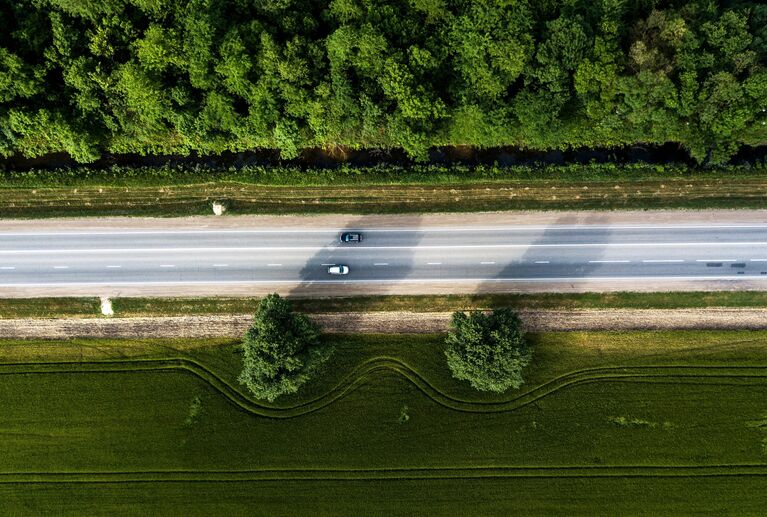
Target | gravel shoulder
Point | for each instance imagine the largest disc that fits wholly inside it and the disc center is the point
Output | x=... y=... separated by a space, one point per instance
x=386 y=323
x=309 y=290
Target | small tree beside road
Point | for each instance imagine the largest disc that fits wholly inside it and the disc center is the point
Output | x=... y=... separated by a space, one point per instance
x=488 y=350
x=282 y=350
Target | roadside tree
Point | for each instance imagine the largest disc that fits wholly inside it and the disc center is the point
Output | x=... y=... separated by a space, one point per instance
x=282 y=350
x=488 y=350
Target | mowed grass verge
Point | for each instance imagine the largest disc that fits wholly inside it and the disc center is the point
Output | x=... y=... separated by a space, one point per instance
x=645 y=419
x=148 y=307
x=694 y=192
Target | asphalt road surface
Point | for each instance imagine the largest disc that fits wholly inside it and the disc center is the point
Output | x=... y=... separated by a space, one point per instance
x=416 y=255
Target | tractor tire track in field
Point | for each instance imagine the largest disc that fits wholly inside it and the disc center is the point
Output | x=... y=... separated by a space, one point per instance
x=362 y=374
x=374 y=366
x=612 y=471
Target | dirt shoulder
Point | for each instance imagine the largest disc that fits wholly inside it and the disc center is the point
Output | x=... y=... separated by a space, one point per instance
x=386 y=323
x=479 y=219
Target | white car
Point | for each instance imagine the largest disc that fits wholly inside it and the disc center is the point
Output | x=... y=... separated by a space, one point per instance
x=338 y=270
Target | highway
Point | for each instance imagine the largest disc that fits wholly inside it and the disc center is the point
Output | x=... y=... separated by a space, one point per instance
x=553 y=253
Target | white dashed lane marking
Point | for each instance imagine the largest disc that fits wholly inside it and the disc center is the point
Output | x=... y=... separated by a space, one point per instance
x=663 y=261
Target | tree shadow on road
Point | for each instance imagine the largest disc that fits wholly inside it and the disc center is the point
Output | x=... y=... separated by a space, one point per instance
x=382 y=270
x=540 y=261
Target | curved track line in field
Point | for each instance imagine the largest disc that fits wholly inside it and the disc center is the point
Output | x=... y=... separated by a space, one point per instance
x=374 y=366
x=413 y=473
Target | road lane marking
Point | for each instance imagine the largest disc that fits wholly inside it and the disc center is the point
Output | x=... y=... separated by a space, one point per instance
x=60 y=267
x=380 y=263
x=274 y=265
x=716 y=260
x=487 y=263
x=167 y=265
x=368 y=248
x=328 y=264
x=423 y=229
x=516 y=280
x=114 y=267
x=663 y=261
x=220 y=265
x=434 y=263
x=609 y=261
x=542 y=262
x=758 y=260
x=7 y=267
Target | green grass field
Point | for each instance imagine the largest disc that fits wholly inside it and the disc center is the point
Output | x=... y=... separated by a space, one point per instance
x=241 y=198
x=616 y=423
x=168 y=191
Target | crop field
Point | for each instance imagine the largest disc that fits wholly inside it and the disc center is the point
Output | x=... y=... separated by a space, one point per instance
x=610 y=423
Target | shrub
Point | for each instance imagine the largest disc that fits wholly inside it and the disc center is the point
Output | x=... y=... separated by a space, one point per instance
x=488 y=350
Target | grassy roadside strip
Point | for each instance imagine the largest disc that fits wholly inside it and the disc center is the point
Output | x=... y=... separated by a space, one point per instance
x=147 y=307
x=186 y=190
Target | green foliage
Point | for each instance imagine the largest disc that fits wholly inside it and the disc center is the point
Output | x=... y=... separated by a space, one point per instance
x=282 y=350
x=156 y=76
x=17 y=79
x=488 y=350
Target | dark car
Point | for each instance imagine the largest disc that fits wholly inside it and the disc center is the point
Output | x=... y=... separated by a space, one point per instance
x=351 y=237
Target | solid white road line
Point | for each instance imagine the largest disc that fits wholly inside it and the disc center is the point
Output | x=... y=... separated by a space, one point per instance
x=703 y=278
x=368 y=248
x=423 y=229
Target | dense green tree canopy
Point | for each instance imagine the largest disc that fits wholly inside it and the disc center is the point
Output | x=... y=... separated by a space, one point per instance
x=174 y=76
x=282 y=350
x=488 y=350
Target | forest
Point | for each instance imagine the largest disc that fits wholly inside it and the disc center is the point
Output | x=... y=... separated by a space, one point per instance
x=88 y=77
